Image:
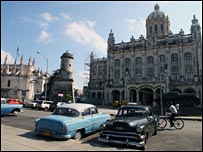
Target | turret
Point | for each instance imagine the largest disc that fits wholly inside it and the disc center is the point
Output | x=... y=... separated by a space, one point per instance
x=195 y=29
x=111 y=41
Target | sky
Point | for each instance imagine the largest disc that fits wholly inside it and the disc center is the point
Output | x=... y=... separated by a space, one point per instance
x=81 y=27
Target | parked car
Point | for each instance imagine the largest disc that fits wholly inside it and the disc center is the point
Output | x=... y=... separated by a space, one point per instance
x=132 y=125
x=7 y=109
x=42 y=104
x=71 y=121
x=14 y=101
x=53 y=106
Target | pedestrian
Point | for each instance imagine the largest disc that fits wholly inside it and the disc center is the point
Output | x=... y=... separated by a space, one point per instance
x=173 y=111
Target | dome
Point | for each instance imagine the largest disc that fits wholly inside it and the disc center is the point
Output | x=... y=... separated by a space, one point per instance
x=67 y=55
x=156 y=13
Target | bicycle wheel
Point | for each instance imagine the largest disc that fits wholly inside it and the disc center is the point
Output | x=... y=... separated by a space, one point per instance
x=162 y=123
x=179 y=124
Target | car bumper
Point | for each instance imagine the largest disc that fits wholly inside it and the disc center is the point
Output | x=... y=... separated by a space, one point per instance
x=122 y=138
x=52 y=134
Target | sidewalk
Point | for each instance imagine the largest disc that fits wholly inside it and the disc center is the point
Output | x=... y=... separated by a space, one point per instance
x=112 y=111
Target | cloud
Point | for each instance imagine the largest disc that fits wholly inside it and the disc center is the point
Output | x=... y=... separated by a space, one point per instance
x=48 y=17
x=10 y=59
x=65 y=16
x=136 y=26
x=45 y=37
x=26 y=19
x=43 y=25
x=83 y=33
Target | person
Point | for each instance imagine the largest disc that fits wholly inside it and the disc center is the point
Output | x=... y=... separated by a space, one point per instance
x=177 y=107
x=174 y=112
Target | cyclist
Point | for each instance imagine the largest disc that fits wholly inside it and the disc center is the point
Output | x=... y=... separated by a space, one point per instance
x=174 y=112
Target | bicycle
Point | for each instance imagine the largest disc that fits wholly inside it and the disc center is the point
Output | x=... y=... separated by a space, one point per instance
x=178 y=122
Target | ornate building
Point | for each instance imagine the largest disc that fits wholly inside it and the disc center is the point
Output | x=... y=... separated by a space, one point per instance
x=137 y=70
x=20 y=80
x=61 y=82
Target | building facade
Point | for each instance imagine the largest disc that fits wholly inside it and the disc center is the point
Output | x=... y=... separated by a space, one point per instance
x=21 y=81
x=139 y=70
x=61 y=82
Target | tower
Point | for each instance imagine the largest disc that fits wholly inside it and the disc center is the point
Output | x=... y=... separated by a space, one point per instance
x=67 y=63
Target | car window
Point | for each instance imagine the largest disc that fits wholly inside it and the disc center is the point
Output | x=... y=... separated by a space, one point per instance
x=86 y=112
x=66 y=112
x=131 y=112
x=93 y=110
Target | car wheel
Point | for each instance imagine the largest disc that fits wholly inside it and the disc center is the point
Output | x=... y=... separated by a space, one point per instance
x=46 y=109
x=15 y=113
x=78 y=135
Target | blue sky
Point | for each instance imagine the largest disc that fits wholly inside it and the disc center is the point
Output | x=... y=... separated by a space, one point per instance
x=53 y=27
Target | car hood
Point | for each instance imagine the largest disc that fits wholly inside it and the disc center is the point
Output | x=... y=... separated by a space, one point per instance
x=130 y=121
x=58 y=118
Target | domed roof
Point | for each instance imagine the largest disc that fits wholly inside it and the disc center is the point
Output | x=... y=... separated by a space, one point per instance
x=156 y=13
x=67 y=55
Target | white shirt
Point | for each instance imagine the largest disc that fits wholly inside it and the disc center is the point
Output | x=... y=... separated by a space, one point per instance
x=173 y=109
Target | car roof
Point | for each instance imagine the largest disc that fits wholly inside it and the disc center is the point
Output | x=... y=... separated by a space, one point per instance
x=146 y=107
x=77 y=106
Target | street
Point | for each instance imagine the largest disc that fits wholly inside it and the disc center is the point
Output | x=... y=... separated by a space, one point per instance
x=20 y=128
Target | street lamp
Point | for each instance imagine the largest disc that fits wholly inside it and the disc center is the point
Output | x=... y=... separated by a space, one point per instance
x=46 y=74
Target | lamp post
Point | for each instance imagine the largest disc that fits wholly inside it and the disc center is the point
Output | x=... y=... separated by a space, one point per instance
x=46 y=74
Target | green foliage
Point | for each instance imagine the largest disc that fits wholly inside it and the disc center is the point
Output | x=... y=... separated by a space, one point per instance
x=68 y=97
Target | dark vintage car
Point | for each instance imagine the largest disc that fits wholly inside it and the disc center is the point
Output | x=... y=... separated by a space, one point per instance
x=132 y=125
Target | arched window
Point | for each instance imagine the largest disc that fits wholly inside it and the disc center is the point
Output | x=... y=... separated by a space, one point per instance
x=188 y=65
x=138 y=68
x=117 y=68
x=155 y=28
x=150 y=67
x=174 y=67
x=162 y=28
x=9 y=83
x=128 y=66
x=162 y=63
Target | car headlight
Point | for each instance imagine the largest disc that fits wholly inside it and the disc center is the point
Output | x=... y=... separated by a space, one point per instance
x=64 y=127
x=102 y=126
x=139 y=129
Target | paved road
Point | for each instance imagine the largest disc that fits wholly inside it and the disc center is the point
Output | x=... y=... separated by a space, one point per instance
x=189 y=138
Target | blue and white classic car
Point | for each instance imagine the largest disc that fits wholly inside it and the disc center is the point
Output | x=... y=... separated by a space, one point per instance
x=71 y=121
x=7 y=109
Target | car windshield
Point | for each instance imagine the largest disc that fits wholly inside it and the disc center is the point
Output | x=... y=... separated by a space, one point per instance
x=131 y=112
x=66 y=112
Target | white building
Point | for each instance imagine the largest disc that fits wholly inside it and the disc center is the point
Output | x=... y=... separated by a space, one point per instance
x=136 y=70
x=20 y=80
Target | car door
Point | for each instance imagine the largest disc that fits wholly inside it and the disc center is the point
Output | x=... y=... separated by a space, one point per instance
x=151 y=121
x=87 y=120
x=96 y=118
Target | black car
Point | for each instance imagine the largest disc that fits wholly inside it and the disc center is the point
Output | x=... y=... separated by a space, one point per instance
x=132 y=125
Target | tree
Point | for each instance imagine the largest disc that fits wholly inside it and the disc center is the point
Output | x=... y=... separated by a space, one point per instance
x=68 y=97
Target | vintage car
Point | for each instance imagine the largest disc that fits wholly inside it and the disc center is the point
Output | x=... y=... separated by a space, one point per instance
x=71 y=121
x=7 y=109
x=132 y=125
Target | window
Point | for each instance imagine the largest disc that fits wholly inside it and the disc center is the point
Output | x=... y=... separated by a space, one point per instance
x=117 y=68
x=162 y=63
x=138 y=68
x=127 y=66
x=150 y=67
x=93 y=110
x=9 y=83
x=188 y=65
x=155 y=28
x=162 y=28
x=86 y=112
x=174 y=67
x=150 y=29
